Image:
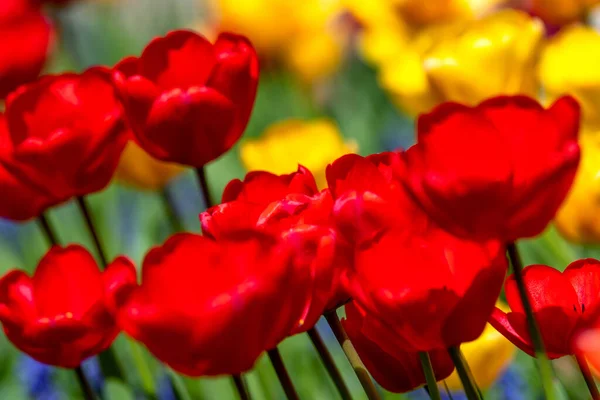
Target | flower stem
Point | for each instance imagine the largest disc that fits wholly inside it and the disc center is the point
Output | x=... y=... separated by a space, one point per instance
x=329 y=364
x=171 y=210
x=587 y=376
x=240 y=385
x=543 y=363
x=201 y=174
x=282 y=374
x=434 y=392
x=448 y=392
x=108 y=362
x=85 y=211
x=355 y=361
x=88 y=393
x=53 y=240
x=48 y=230
x=464 y=373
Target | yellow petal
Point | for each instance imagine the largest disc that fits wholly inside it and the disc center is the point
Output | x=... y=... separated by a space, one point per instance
x=569 y=65
x=494 y=55
x=488 y=357
x=314 y=56
x=578 y=219
x=139 y=169
x=286 y=144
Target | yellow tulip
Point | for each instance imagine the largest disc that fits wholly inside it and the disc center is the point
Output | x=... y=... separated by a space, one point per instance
x=284 y=145
x=418 y=13
x=578 y=219
x=139 y=169
x=304 y=35
x=466 y=62
x=488 y=356
x=561 y=12
x=569 y=65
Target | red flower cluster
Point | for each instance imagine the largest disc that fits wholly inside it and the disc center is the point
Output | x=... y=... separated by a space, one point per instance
x=416 y=238
x=564 y=305
x=62 y=136
x=429 y=225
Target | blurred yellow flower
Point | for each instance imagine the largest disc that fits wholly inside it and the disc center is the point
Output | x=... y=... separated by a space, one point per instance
x=569 y=65
x=561 y=12
x=578 y=219
x=417 y=13
x=307 y=36
x=488 y=356
x=139 y=169
x=285 y=144
x=466 y=62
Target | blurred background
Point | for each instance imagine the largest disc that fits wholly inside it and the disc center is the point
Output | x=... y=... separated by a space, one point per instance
x=337 y=76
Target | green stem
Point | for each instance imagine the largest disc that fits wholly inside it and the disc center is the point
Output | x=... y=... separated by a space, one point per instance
x=587 y=376
x=88 y=393
x=48 y=230
x=87 y=216
x=329 y=364
x=241 y=387
x=201 y=175
x=434 y=392
x=464 y=373
x=282 y=374
x=544 y=366
x=355 y=361
x=169 y=206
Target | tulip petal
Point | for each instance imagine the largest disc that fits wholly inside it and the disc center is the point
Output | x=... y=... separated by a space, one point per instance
x=182 y=59
x=584 y=276
x=189 y=127
x=66 y=280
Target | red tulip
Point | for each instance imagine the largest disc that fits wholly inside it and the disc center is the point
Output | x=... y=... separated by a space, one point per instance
x=398 y=371
x=564 y=304
x=244 y=201
x=208 y=307
x=64 y=313
x=432 y=290
x=187 y=100
x=369 y=196
x=64 y=139
x=500 y=169
x=27 y=37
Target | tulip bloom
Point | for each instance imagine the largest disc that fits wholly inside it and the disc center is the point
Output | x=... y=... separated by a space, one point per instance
x=244 y=201
x=64 y=313
x=564 y=304
x=466 y=63
x=567 y=67
x=62 y=137
x=27 y=37
x=431 y=290
x=288 y=206
x=481 y=158
x=578 y=218
x=286 y=144
x=188 y=101
x=397 y=371
x=211 y=308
